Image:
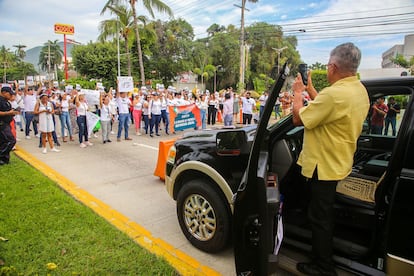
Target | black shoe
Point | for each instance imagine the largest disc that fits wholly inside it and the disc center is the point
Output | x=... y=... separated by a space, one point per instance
x=58 y=144
x=314 y=269
x=151 y=135
x=109 y=141
x=104 y=142
x=157 y=134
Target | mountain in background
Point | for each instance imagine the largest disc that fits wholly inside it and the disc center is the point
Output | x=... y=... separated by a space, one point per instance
x=32 y=55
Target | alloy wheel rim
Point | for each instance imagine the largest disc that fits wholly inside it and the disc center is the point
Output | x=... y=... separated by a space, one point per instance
x=199 y=217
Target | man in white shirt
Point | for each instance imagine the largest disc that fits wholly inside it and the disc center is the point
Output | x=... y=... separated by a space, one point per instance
x=248 y=107
x=29 y=100
x=123 y=103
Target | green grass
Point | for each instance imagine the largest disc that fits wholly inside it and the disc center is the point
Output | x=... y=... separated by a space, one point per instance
x=43 y=224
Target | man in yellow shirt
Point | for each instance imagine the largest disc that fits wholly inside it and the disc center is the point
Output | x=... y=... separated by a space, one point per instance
x=333 y=122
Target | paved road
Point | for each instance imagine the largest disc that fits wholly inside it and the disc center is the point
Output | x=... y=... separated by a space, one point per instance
x=121 y=175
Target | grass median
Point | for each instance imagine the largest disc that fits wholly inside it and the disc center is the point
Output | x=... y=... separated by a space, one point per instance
x=45 y=231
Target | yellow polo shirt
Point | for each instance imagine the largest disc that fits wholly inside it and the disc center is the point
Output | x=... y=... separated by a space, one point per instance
x=333 y=122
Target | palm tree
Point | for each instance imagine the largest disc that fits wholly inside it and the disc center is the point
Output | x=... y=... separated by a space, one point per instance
x=50 y=55
x=149 y=5
x=20 y=52
x=123 y=24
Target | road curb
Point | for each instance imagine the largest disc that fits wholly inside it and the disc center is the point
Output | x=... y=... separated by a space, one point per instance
x=183 y=263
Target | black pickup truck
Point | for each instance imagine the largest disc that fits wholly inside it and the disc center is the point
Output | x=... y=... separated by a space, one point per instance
x=228 y=184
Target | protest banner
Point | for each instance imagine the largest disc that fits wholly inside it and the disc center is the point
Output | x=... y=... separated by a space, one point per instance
x=184 y=117
x=22 y=83
x=91 y=96
x=91 y=121
x=125 y=84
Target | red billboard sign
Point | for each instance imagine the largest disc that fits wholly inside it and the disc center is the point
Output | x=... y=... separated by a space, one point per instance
x=64 y=29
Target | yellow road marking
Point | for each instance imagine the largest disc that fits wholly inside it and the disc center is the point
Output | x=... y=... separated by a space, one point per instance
x=184 y=264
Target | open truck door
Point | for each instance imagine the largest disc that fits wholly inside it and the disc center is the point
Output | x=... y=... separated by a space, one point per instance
x=256 y=204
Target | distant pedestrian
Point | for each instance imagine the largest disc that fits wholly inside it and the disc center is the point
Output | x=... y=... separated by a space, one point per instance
x=81 y=110
x=262 y=100
x=213 y=105
x=64 y=105
x=277 y=108
x=228 y=109
x=379 y=110
x=248 y=107
x=44 y=108
x=286 y=101
x=123 y=103
x=105 y=117
x=7 y=140
x=391 y=118
x=202 y=105
x=154 y=113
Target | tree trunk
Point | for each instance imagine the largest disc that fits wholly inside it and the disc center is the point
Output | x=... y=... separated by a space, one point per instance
x=128 y=56
x=141 y=63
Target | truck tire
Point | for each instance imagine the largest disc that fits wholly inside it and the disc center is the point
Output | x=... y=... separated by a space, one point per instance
x=203 y=216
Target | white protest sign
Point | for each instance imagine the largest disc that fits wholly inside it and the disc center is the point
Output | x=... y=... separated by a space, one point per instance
x=56 y=84
x=30 y=80
x=78 y=87
x=21 y=83
x=68 y=88
x=125 y=84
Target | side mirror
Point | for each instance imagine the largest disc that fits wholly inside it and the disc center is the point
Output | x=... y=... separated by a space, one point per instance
x=230 y=143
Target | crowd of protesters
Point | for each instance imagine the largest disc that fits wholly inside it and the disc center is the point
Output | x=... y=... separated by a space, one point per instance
x=145 y=110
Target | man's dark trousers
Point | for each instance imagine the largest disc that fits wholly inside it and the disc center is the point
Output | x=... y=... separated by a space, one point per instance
x=7 y=142
x=321 y=215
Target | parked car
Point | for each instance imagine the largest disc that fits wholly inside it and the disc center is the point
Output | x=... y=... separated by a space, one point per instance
x=228 y=185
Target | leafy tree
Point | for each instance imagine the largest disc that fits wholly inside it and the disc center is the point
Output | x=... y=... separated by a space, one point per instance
x=149 y=5
x=401 y=61
x=96 y=61
x=172 y=52
x=318 y=66
x=215 y=28
x=11 y=67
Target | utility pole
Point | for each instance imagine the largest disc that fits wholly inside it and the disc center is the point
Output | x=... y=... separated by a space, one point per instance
x=242 y=45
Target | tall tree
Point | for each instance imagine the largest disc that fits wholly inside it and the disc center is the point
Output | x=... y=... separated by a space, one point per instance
x=172 y=52
x=122 y=23
x=50 y=55
x=149 y=5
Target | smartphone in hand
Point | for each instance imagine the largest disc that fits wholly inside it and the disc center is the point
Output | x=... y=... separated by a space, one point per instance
x=303 y=70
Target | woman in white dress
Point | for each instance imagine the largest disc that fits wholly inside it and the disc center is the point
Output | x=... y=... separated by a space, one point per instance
x=44 y=108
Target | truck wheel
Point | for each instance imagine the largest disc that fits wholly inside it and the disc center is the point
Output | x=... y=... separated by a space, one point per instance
x=203 y=216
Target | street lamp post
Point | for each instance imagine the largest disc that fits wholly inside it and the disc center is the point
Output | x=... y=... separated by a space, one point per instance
x=279 y=50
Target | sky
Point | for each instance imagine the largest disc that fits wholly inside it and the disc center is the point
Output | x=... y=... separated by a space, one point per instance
x=374 y=26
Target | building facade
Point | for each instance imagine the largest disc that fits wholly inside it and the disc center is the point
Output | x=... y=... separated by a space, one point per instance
x=406 y=50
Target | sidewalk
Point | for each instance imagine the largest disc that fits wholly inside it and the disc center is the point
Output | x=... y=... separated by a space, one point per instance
x=116 y=181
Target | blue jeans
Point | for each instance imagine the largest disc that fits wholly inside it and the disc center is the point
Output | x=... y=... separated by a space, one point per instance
x=203 y=118
x=393 y=122
x=277 y=111
x=228 y=120
x=165 y=119
x=123 y=124
x=29 y=119
x=83 y=128
x=65 y=121
x=146 y=123
x=155 y=121
x=261 y=110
